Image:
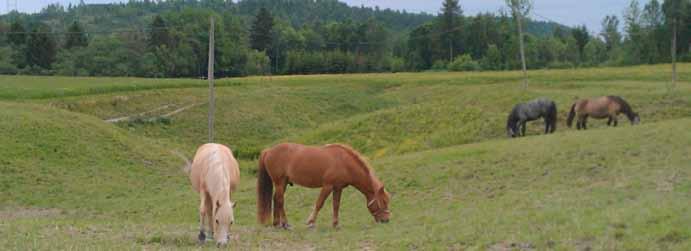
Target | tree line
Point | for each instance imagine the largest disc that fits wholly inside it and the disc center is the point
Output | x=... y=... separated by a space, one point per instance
x=260 y=37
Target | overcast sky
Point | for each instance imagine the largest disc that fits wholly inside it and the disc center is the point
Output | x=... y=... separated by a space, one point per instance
x=569 y=12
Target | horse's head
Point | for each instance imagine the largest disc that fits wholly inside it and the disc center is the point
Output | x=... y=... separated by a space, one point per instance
x=379 y=205
x=636 y=119
x=510 y=132
x=223 y=219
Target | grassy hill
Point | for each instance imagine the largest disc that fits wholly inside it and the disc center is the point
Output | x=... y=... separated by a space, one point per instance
x=72 y=181
x=380 y=114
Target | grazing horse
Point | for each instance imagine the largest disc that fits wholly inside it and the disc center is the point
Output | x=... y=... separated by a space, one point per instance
x=600 y=108
x=331 y=168
x=533 y=110
x=214 y=174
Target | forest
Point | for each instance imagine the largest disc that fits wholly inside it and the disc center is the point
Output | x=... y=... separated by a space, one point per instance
x=276 y=37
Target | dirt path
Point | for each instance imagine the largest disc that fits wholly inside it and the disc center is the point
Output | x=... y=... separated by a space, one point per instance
x=143 y=114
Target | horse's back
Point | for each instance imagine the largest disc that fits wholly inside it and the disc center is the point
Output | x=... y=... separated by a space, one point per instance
x=210 y=156
x=304 y=165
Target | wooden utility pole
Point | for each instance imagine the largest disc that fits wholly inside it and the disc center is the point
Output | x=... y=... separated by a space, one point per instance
x=210 y=77
x=519 y=19
x=674 y=54
x=520 y=9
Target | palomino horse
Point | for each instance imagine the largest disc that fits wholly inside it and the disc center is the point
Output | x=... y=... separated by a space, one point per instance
x=331 y=168
x=601 y=108
x=214 y=174
x=533 y=110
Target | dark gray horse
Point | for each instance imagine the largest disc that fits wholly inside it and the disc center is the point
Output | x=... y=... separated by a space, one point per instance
x=533 y=110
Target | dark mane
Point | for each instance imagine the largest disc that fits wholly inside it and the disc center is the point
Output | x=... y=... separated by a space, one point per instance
x=511 y=121
x=625 y=107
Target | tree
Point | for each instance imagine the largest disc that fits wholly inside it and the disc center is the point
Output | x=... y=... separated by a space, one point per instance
x=262 y=29
x=610 y=32
x=674 y=11
x=520 y=9
x=451 y=25
x=633 y=28
x=582 y=37
x=595 y=52
x=75 y=36
x=653 y=23
x=17 y=36
x=41 y=47
x=159 y=34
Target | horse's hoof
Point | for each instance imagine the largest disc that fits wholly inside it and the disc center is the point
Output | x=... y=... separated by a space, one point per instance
x=201 y=237
x=311 y=225
x=286 y=226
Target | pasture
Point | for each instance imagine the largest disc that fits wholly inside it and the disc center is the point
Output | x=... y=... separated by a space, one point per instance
x=437 y=140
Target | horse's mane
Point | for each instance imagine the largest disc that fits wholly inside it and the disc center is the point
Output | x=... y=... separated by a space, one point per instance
x=511 y=120
x=625 y=107
x=364 y=164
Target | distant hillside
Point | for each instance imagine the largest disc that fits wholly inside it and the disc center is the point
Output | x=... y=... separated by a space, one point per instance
x=107 y=17
x=169 y=39
x=119 y=16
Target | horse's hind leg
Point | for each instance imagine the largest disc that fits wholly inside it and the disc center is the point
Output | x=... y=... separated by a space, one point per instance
x=325 y=192
x=609 y=122
x=280 y=219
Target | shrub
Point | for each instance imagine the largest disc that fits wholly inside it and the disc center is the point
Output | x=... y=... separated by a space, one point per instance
x=464 y=63
x=397 y=65
x=439 y=65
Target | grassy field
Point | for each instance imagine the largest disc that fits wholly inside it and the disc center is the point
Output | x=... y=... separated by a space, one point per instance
x=72 y=181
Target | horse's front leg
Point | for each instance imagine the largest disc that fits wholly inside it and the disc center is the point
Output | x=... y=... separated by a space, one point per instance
x=336 y=205
x=326 y=190
x=202 y=215
x=616 y=121
x=523 y=126
x=609 y=122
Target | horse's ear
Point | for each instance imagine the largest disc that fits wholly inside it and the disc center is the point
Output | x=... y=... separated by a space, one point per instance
x=232 y=204
x=381 y=190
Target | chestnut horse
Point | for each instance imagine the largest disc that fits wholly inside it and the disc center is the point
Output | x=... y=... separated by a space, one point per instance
x=601 y=108
x=331 y=168
x=214 y=174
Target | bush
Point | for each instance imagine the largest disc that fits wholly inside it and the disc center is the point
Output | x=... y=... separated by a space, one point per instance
x=464 y=63
x=439 y=65
x=397 y=65
x=560 y=65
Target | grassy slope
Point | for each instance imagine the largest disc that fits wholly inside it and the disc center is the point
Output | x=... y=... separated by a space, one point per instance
x=618 y=188
x=622 y=188
x=380 y=114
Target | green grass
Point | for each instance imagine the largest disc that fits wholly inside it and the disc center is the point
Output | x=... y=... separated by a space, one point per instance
x=379 y=114
x=72 y=181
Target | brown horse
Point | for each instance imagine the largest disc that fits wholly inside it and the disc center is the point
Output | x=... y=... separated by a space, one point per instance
x=331 y=168
x=214 y=174
x=601 y=108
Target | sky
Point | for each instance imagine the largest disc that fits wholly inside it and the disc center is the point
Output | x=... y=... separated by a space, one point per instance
x=568 y=12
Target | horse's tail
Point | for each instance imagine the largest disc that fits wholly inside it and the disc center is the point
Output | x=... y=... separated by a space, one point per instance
x=188 y=164
x=553 y=116
x=572 y=114
x=265 y=189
